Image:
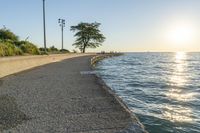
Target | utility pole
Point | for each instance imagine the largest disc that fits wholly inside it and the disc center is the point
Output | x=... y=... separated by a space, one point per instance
x=62 y=25
x=44 y=24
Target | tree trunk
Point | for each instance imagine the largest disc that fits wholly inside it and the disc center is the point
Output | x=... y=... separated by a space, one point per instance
x=84 y=48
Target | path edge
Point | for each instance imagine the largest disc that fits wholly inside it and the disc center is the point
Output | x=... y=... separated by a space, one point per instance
x=135 y=126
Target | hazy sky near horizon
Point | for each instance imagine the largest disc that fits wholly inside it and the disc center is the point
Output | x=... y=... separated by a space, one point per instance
x=129 y=25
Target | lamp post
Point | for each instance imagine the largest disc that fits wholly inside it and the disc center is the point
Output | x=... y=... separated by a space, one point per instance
x=44 y=24
x=62 y=25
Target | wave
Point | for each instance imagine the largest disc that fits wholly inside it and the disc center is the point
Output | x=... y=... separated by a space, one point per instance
x=160 y=88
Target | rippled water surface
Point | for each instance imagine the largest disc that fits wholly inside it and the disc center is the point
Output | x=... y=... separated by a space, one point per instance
x=162 y=89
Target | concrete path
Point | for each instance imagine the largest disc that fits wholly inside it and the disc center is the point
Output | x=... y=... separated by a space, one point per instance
x=22 y=63
x=56 y=98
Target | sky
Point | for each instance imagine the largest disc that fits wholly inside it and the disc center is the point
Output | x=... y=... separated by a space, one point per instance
x=128 y=25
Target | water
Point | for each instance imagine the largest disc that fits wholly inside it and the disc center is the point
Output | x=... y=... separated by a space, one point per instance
x=162 y=89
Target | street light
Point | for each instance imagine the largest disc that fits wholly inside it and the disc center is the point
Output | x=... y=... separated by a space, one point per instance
x=62 y=25
x=44 y=24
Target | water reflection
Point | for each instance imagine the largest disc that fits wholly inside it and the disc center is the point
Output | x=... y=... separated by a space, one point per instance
x=180 y=96
x=178 y=81
x=177 y=113
x=163 y=91
x=178 y=77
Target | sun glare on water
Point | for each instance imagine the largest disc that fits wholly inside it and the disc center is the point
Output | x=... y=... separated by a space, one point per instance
x=179 y=113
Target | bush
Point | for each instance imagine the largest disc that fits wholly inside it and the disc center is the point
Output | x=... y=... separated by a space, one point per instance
x=29 y=48
x=64 y=51
x=42 y=49
x=8 y=49
x=6 y=34
x=10 y=44
x=52 y=49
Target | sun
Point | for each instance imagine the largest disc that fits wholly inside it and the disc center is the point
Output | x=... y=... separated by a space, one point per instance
x=180 y=34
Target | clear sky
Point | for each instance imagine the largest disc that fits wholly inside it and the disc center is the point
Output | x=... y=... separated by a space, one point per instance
x=129 y=25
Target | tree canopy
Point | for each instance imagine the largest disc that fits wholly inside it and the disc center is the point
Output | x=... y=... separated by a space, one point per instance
x=87 y=35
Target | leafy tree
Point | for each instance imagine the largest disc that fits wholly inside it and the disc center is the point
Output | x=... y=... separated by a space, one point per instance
x=87 y=35
x=6 y=34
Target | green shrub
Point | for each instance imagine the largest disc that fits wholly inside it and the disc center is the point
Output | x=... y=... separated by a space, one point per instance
x=10 y=44
x=8 y=49
x=52 y=49
x=19 y=43
x=3 y=48
x=29 y=48
x=6 y=34
x=64 y=51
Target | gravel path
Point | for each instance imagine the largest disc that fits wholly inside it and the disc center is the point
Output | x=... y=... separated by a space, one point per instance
x=56 y=98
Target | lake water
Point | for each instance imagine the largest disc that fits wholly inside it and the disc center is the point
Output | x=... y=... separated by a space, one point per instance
x=162 y=89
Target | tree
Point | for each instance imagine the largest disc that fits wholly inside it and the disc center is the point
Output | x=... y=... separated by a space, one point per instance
x=87 y=35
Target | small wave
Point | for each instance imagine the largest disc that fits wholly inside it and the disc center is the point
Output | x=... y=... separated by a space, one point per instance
x=161 y=89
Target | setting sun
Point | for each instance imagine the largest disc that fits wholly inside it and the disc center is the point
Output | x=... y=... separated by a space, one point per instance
x=181 y=34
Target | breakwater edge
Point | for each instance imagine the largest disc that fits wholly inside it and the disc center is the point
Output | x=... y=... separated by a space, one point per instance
x=135 y=126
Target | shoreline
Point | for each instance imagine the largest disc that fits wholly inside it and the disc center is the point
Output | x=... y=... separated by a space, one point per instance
x=137 y=127
x=88 y=107
x=99 y=57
